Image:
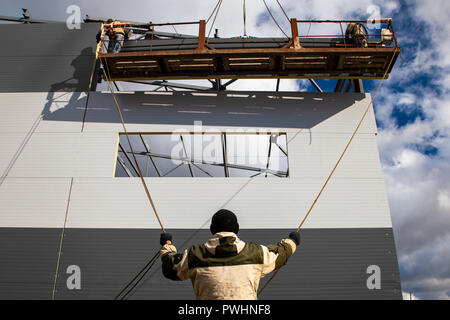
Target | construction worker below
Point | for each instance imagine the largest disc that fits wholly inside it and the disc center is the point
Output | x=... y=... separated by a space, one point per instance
x=225 y=267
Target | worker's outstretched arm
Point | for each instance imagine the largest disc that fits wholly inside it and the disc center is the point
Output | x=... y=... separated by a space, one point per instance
x=276 y=255
x=174 y=265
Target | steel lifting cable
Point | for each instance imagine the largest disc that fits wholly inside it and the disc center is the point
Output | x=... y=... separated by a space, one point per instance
x=215 y=8
x=337 y=164
x=284 y=12
x=273 y=18
x=214 y=20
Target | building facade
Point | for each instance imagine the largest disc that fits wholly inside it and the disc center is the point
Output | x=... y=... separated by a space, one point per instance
x=63 y=203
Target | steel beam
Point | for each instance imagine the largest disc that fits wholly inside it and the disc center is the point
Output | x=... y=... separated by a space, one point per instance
x=349 y=86
x=147 y=148
x=224 y=154
x=124 y=166
x=358 y=85
x=339 y=85
x=25 y=20
x=316 y=85
x=171 y=84
x=185 y=152
x=234 y=166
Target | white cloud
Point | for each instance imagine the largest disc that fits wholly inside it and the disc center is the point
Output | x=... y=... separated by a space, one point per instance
x=409 y=296
x=444 y=199
x=418 y=184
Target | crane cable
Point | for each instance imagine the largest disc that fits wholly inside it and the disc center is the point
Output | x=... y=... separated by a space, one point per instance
x=337 y=163
x=215 y=8
x=215 y=16
x=274 y=20
x=284 y=12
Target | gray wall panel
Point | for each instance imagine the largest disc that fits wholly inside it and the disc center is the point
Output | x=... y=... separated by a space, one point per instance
x=329 y=264
x=46 y=57
x=28 y=262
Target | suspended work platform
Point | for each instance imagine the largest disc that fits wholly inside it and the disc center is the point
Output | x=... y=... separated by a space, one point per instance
x=152 y=57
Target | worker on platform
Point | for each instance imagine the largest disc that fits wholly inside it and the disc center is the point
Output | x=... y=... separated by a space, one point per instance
x=357 y=33
x=225 y=267
x=116 y=33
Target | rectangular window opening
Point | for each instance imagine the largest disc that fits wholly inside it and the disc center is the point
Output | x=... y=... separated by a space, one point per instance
x=262 y=155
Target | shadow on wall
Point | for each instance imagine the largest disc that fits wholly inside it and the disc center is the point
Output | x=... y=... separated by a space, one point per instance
x=74 y=85
x=65 y=102
x=242 y=109
x=70 y=109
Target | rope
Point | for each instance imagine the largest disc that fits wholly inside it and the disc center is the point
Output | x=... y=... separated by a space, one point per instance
x=214 y=20
x=61 y=242
x=152 y=261
x=219 y=1
x=273 y=18
x=284 y=12
x=245 y=32
x=147 y=268
x=337 y=163
x=131 y=149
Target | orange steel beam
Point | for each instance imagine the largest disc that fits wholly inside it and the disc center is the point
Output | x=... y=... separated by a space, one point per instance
x=201 y=35
x=257 y=51
x=295 y=38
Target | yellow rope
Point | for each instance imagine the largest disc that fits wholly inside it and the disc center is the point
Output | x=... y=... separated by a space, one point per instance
x=131 y=149
x=61 y=242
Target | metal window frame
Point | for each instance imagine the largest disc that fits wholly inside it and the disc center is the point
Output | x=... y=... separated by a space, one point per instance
x=191 y=162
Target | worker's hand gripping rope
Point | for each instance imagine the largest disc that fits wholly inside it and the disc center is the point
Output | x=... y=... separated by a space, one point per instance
x=295 y=236
x=166 y=238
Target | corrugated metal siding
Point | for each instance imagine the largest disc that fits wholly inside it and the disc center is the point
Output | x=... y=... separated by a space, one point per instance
x=64 y=154
x=35 y=191
x=28 y=262
x=329 y=264
x=355 y=197
x=185 y=203
x=46 y=57
x=37 y=203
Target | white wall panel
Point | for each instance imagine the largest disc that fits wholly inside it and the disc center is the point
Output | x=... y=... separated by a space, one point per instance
x=315 y=155
x=261 y=203
x=33 y=203
x=318 y=126
x=19 y=111
x=41 y=112
x=10 y=144
x=67 y=155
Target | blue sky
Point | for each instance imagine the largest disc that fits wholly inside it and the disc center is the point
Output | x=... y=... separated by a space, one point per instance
x=412 y=108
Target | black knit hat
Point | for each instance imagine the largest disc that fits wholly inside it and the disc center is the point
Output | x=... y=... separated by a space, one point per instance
x=224 y=220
